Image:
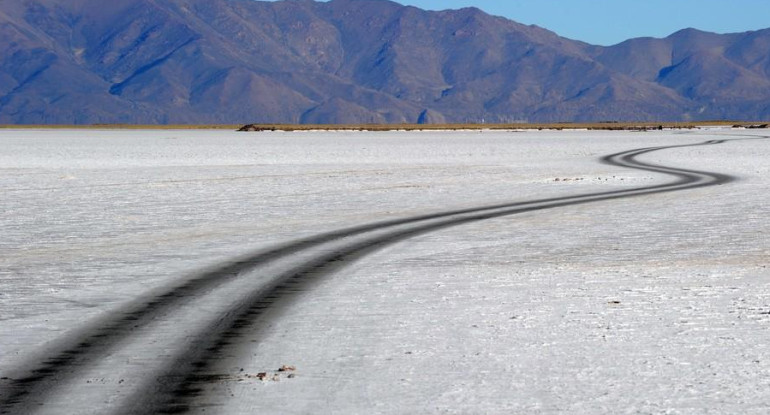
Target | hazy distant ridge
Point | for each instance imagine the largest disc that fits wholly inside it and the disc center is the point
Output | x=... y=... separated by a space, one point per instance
x=353 y=61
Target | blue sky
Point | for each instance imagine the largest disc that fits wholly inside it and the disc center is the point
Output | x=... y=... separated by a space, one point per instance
x=606 y=22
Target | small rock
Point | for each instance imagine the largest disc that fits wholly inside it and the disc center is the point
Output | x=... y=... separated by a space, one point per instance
x=292 y=376
x=287 y=368
x=262 y=375
x=257 y=127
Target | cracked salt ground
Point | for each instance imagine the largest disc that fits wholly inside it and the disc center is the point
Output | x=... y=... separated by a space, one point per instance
x=654 y=304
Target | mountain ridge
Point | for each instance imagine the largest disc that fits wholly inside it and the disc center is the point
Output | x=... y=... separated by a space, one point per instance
x=354 y=61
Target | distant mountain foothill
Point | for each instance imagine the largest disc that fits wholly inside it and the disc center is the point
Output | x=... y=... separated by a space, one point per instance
x=353 y=61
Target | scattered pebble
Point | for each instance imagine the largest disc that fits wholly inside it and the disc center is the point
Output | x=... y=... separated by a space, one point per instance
x=274 y=376
x=567 y=179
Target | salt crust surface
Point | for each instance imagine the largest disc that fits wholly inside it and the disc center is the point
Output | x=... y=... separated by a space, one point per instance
x=647 y=305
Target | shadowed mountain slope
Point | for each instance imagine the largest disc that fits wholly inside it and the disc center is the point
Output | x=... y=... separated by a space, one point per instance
x=353 y=61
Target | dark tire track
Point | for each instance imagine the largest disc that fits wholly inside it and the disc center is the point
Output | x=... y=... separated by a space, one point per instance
x=177 y=382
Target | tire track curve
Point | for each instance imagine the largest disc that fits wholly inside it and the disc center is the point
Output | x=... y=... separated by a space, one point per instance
x=238 y=293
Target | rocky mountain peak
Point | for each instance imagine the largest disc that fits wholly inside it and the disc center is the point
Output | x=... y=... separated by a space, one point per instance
x=292 y=61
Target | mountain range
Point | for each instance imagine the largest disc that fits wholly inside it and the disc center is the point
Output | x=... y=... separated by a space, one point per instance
x=354 y=61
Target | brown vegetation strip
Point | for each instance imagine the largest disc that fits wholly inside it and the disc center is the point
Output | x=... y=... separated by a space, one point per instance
x=611 y=126
x=443 y=127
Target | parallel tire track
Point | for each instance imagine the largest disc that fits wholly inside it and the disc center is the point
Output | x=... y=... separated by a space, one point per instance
x=173 y=385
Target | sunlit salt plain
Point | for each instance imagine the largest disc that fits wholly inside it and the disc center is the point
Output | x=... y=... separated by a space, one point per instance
x=653 y=304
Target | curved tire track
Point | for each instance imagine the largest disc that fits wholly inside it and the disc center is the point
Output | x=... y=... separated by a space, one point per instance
x=288 y=268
